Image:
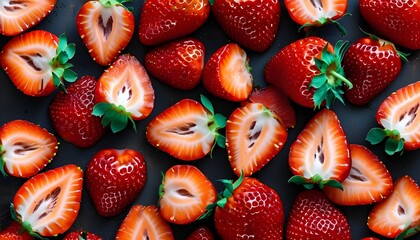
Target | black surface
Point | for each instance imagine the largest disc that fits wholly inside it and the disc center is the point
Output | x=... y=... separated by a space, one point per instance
x=356 y=121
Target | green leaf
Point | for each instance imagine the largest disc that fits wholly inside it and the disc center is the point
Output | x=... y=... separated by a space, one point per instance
x=222 y=202
x=161 y=189
x=211 y=2
x=221 y=141
x=320 y=95
x=2 y=162
x=108 y=117
x=101 y=108
x=391 y=146
x=376 y=135
x=318 y=81
x=400 y=147
x=69 y=75
x=13 y=212
x=59 y=72
x=56 y=80
x=70 y=50
x=340 y=28
x=334 y=183
x=119 y=122
x=321 y=65
x=63 y=58
x=298 y=180
x=62 y=42
x=209 y=210
x=220 y=120
x=308 y=186
x=239 y=181
x=207 y=104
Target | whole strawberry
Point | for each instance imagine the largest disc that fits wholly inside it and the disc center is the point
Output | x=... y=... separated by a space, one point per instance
x=313 y=216
x=71 y=114
x=81 y=235
x=114 y=178
x=201 y=233
x=251 y=24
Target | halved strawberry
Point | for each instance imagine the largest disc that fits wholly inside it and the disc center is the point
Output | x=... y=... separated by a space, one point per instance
x=227 y=73
x=123 y=92
x=144 y=222
x=399 y=116
x=37 y=62
x=48 y=203
x=399 y=214
x=276 y=101
x=187 y=130
x=320 y=154
x=25 y=148
x=106 y=28
x=254 y=135
x=18 y=16
x=184 y=194
x=369 y=181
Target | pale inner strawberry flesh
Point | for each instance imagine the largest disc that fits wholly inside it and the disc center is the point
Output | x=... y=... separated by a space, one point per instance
x=356 y=175
x=46 y=205
x=14 y=6
x=105 y=22
x=185 y=129
x=254 y=132
x=407 y=118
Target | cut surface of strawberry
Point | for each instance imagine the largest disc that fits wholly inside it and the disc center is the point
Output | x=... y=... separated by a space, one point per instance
x=25 y=148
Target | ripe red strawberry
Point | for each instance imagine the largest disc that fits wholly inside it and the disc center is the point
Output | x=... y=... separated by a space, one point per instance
x=371 y=64
x=48 y=203
x=81 y=235
x=247 y=208
x=401 y=124
x=309 y=72
x=201 y=233
x=37 y=62
x=12 y=232
x=184 y=194
x=368 y=181
x=71 y=114
x=227 y=73
x=178 y=63
x=320 y=154
x=123 y=93
x=317 y=13
x=19 y=16
x=187 y=130
x=254 y=135
x=394 y=20
x=313 y=216
x=276 y=101
x=251 y=24
x=144 y=222
x=161 y=21
x=399 y=214
x=25 y=148
x=370 y=238
x=114 y=179
x=106 y=28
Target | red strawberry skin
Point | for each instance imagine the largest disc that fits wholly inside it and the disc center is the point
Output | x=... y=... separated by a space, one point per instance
x=396 y=21
x=11 y=232
x=371 y=65
x=251 y=24
x=71 y=114
x=201 y=233
x=178 y=63
x=78 y=235
x=114 y=178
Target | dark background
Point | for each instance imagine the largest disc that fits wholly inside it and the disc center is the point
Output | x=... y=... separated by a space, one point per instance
x=356 y=121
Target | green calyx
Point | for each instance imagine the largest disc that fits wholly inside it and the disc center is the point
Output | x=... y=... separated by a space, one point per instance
x=329 y=81
x=324 y=21
x=394 y=142
x=315 y=180
x=61 y=67
x=211 y=2
x=115 y=116
x=26 y=226
x=409 y=231
x=2 y=162
x=83 y=236
x=111 y=3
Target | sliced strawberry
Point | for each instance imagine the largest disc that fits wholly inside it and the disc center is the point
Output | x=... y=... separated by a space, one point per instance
x=320 y=153
x=276 y=101
x=254 y=135
x=106 y=28
x=146 y=223
x=13 y=232
x=399 y=213
x=48 y=203
x=398 y=115
x=201 y=233
x=369 y=181
x=18 y=16
x=124 y=92
x=25 y=148
x=227 y=73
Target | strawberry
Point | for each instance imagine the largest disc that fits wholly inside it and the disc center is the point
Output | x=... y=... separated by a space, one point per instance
x=368 y=181
x=249 y=208
x=399 y=214
x=184 y=194
x=71 y=114
x=227 y=73
x=187 y=130
x=178 y=63
x=398 y=116
x=394 y=20
x=144 y=222
x=37 y=62
x=161 y=21
x=276 y=101
x=13 y=232
x=19 y=16
x=81 y=235
x=106 y=28
x=201 y=233
x=254 y=135
x=48 y=203
x=25 y=148
x=309 y=71
x=123 y=93
x=114 y=179
x=313 y=216
x=370 y=238
x=371 y=64
x=320 y=154
x=317 y=13
x=251 y=24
